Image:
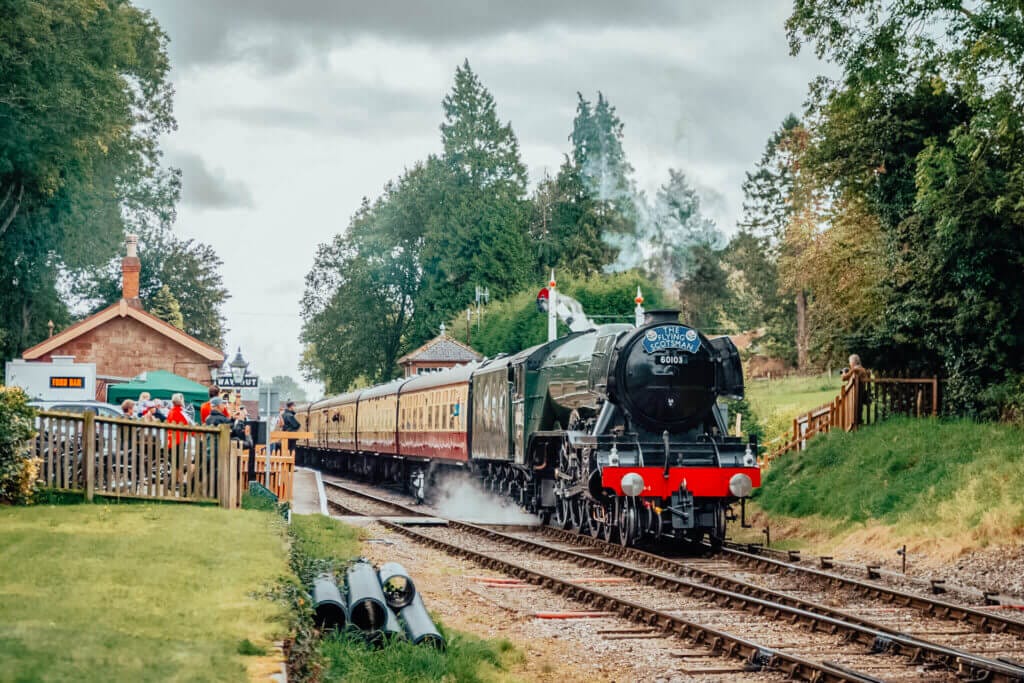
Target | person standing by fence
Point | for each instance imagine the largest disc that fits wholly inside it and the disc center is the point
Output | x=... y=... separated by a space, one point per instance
x=291 y=423
x=176 y=415
x=204 y=410
x=856 y=372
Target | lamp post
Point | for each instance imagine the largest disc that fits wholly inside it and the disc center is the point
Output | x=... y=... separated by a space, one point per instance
x=238 y=368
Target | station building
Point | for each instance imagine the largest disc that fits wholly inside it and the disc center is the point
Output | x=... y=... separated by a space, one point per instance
x=439 y=353
x=123 y=340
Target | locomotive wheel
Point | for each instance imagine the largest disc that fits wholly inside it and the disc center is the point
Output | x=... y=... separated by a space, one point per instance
x=629 y=524
x=563 y=516
x=652 y=521
x=610 y=527
x=579 y=520
x=716 y=536
x=596 y=527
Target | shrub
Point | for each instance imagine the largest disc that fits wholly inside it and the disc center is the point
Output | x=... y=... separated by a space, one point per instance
x=18 y=469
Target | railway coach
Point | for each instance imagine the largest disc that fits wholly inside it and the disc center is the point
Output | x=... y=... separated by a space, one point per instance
x=615 y=431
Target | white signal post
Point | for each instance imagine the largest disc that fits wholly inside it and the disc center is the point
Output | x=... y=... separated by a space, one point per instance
x=552 y=309
x=639 y=310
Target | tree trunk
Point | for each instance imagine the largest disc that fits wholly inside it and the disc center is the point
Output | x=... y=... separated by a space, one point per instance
x=803 y=361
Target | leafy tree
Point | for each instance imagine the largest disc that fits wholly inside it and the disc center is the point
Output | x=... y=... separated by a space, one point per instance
x=676 y=231
x=190 y=270
x=287 y=388
x=478 y=228
x=767 y=190
x=364 y=285
x=704 y=290
x=598 y=185
x=569 y=225
x=167 y=308
x=85 y=99
x=780 y=207
x=929 y=100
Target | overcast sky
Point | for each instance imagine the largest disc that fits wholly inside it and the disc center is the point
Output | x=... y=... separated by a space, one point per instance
x=290 y=112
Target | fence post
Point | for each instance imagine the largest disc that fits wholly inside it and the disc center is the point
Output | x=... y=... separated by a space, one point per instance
x=224 y=466
x=89 y=453
x=935 y=396
x=236 y=483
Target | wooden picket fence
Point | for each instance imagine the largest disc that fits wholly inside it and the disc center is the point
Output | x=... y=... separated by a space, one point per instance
x=282 y=471
x=281 y=465
x=861 y=403
x=133 y=459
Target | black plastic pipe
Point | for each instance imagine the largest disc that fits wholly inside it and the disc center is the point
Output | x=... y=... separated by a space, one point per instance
x=330 y=610
x=366 y=606
x=397 y=585
x=419 y=626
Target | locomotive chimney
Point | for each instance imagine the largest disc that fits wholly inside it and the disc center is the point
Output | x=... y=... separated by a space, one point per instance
x=664 y=315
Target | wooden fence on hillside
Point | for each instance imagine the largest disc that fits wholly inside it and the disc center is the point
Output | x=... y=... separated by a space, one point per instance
x=862 y=403
x=133 y=459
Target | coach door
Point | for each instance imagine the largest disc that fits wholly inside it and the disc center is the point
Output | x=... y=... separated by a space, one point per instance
x=517 y=387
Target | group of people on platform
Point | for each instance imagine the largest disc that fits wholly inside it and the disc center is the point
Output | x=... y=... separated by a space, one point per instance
x=221 y=408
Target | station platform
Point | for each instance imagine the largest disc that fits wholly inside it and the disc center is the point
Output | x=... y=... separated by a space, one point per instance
x=308 y=497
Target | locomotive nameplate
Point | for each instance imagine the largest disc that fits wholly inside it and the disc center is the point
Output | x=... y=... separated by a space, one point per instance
x=671 y=337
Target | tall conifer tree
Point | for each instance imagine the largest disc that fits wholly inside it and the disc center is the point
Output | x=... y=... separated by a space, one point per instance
x=479 y=235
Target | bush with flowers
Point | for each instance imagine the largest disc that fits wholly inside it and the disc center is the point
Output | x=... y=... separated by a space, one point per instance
x=18 y=469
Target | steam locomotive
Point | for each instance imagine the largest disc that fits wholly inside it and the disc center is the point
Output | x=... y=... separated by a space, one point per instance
x=614 y=431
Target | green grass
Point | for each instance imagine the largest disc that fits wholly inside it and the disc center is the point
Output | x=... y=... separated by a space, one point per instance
x=928 y=477
x=319 y=541
x=467 y=660
x=323 y=538
x=776 y=402
x=135 y=592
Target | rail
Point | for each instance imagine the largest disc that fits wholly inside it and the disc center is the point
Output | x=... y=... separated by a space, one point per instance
x=861 y=403
x=123 y=458
x=682 y=577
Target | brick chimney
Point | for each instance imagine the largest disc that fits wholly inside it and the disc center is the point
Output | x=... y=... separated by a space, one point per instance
x=130 y=268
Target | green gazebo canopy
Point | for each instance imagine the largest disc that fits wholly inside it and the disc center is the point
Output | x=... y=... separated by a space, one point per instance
x=160 y=384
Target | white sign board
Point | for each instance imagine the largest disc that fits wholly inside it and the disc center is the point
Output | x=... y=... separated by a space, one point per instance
x=59 y=380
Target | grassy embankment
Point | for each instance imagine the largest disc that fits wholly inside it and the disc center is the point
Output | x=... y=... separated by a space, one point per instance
x=136 y=592
x=776 y=402
x=320 y=541
x=942 y=486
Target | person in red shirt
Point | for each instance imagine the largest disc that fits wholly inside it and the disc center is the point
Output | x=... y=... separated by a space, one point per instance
x=176 y=415
x=204 y=410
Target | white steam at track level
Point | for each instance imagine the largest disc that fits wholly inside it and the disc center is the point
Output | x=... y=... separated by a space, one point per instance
x=463 y=499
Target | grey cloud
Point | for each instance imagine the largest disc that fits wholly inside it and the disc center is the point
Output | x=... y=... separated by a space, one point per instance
x=340 y=108
x=222 y=31
x=203 y=188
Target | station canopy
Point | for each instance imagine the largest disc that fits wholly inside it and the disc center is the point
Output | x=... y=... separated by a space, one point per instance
x=160 y=384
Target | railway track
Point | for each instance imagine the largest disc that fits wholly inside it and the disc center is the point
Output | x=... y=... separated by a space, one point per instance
x=811 y=641
x=967 y=594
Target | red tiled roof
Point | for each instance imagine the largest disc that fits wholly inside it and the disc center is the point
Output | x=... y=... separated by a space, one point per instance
x=441 y=349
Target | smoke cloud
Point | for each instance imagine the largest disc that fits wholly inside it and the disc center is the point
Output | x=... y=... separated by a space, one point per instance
x=666 y=227
x=463 y=499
